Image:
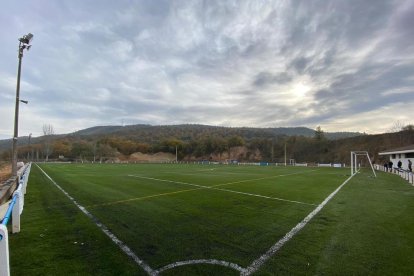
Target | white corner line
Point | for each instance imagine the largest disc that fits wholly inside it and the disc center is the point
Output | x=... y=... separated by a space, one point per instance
x=256 y=264
x=105 y=229
x=202 y=261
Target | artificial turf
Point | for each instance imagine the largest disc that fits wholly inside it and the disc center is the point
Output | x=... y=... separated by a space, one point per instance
x=169 y=213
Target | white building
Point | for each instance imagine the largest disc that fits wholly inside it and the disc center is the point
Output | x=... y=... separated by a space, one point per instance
x=404 y=154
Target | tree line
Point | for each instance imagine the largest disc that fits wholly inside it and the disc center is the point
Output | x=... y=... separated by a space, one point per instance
x=208 y=143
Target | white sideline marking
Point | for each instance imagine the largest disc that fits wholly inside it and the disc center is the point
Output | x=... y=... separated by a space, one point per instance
x=223 y=190
x=105 y=229
x=202 y=261
x=256 y=264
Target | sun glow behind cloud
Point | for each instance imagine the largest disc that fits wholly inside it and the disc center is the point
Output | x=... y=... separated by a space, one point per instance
x=244 y=63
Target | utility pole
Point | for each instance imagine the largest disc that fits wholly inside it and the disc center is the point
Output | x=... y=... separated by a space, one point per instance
x=273 y=150
x=23 y=44
x=30 y=147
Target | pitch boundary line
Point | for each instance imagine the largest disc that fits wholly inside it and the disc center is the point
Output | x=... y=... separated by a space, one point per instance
x=253 y=267
x=223 y=190
x=256 y=264
x=104 y=229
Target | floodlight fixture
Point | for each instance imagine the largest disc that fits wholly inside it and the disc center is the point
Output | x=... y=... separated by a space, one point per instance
x=25 y=102
x=26 y=38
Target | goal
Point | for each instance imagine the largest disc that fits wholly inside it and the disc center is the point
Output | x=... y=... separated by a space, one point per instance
x=354 y=161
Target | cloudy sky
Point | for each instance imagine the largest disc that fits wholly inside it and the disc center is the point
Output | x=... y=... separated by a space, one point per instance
x=342 y=65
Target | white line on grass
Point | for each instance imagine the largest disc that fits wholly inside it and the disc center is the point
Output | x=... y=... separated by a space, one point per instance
x=262 y=196
x=261 y=178
x=202 y=261
x=105 y=229
x=218 y=189
x=253 y=267
x=256 y=264
x=140 y=198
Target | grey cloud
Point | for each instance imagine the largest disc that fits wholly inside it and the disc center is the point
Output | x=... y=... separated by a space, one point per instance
x=352 y=93
x=300 y=64
x=244 y=62
x=265 y=78
x=405 y=21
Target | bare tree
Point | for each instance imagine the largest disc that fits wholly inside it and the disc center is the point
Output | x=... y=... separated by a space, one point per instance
x=404 y=134
x=397 y=126
x=48 y=132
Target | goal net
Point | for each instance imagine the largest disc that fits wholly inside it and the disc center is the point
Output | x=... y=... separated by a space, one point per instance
x=355 y=158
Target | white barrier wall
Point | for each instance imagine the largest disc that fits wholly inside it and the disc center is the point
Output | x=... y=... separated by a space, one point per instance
x=16 y=205
x=407 y=175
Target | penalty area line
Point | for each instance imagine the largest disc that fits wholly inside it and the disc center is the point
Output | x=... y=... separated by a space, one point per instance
x=256 y=264
x=261 y=178
x=219 y=189
x=140 y=198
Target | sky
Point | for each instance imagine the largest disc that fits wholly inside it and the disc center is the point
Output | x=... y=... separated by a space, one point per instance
x=341 y=65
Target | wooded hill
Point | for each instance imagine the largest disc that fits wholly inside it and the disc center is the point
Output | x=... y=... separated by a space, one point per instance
x=200 y=142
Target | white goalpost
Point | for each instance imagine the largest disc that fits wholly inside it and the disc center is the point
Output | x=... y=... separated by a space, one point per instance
x=354 y=161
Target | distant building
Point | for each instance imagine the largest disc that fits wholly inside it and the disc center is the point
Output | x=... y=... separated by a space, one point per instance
x=404 y=154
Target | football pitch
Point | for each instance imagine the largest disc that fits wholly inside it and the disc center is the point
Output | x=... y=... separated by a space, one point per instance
x=186 y=219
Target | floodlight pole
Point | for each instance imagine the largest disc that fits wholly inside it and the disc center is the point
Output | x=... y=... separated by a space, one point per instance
x=30 y=146
x=23 y=44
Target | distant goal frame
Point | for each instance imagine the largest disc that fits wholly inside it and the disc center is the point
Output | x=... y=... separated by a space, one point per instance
x=354 y=161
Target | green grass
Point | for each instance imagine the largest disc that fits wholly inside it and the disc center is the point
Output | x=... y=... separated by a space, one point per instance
x=367 y=229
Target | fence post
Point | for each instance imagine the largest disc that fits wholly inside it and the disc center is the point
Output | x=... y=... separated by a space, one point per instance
x=25 y=178
x=16 y=213
x=4 y=251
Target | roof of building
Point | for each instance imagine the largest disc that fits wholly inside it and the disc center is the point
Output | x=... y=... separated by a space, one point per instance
x=405 y=149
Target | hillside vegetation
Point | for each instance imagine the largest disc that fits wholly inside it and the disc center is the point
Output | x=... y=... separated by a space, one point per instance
x=200 y=142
